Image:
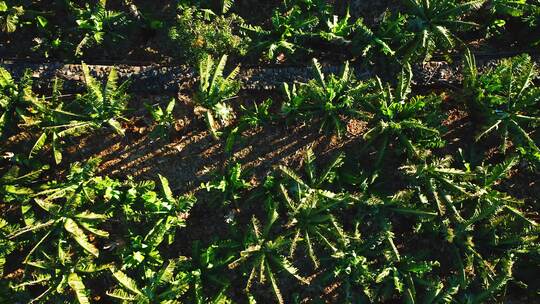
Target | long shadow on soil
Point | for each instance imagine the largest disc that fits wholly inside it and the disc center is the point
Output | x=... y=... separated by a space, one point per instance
x=192 y=156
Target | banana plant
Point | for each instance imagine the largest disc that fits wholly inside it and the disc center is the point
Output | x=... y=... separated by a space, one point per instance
x=165 y=285
x=433 y=25
x=310 y=212
x=508 y=101
x=371 y=42
x=97 y=23
x=59 y=274
x=400 y=120
x=256 y=116
x=105 y=103
x=214 y=91
x=63 y=211
x=150 y=218
x=54 y=122
x=205 y=270
x=289 y=30
x=16 y=183
x=355 y=273
x=16 y=100
x=474 y=218
x=326 y=98
x=228 y=187
x=262 y=256
x=101 y=105
x=164 y=119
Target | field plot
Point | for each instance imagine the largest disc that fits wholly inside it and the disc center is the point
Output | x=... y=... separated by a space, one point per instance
x=283 y=151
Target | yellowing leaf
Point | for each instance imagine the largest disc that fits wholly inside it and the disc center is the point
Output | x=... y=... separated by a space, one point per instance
x=38 y=145
x=75 y=282
x=116 y=126
x=56 y=149
x=166 y=188
x=78 y=234
x=126 y=281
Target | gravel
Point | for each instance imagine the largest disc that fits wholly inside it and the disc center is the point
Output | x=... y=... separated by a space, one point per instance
x=171 y=79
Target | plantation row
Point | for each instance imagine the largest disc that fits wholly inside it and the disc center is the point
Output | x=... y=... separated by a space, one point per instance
x=392 y=218
x=276 y=31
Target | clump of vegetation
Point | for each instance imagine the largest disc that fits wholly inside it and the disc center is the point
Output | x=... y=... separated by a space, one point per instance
x=433 y=25
x=261 y=256
x=16 y=98
x=198 y=33
x=328 y=99
x=164 y=119
x=507 y=102
x=215 y=90
x=10 y=17
x=252 y=117
x=98 y=24
x=102 y=105
x=227 y=188
x=407 y=124
x=468 y=208
x=296 y=26
x=67 y=228
x=310 y=210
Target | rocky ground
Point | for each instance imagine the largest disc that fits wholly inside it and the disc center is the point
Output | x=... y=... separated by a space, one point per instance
x=162 y=78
